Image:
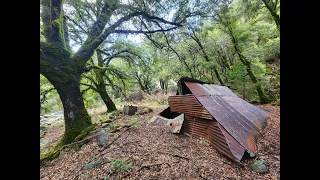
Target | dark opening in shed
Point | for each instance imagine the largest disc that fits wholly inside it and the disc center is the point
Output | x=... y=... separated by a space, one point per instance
x=169 y=114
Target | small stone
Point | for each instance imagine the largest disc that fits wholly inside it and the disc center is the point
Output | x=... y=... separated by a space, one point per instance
x=260 y=166
x=103 y=138
x=104 y=125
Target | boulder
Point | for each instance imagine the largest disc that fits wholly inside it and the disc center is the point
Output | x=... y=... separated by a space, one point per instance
x=102 y=138
x=260 y=166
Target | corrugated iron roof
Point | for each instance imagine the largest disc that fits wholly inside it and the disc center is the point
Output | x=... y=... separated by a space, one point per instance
x=241 y=119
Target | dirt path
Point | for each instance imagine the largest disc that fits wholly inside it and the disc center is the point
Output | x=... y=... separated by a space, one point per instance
x=169 y=156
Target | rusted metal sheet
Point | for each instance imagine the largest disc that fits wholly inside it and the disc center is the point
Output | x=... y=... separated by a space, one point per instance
x=209 y=89
x=215 y=134
x=225 y=91
x=188 y=105
x=236 y=149
x=254 y=114
x=242 y=129
x=196 y=88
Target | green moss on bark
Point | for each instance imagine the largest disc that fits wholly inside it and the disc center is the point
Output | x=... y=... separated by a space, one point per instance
x=85 y=132
x=70 y=134
x=49 y=155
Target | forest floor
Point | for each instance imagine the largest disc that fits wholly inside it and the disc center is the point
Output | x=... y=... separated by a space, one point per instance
x=151 y=151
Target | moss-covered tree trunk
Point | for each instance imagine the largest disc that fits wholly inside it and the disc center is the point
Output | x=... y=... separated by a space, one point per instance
x=264 y=99
x=101 y=90
x=164 y=85
x=101 y=85
x=106 y=99
x=76 y=116
x=272 y=7
x=276 y=19
x=218 y=76
x=206 y=57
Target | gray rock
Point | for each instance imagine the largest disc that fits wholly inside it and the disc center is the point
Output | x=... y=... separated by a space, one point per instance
x=102 y=138
x=91 y=164
x=104 y=125
x=47 y=115
x=260 y=166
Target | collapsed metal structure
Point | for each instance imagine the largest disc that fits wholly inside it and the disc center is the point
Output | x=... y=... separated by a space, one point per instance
x=215 y=113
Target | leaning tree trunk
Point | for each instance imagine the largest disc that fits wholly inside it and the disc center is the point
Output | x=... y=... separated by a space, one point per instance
x=76 y=116
x=276 y=19
x=262 y=95
x=218 y=76
x=272 y=7
x=106 y=99
x=264 y=99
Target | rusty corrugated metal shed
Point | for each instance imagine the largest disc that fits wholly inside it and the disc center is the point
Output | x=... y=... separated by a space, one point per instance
x=241 y=119
x=218 y=137
x=215 y=113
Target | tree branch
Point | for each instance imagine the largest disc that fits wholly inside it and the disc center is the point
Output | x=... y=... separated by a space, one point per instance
x=91 y=79
x=52 y=18
x=87 y=49
x=89 y=85
x=74 y=22
x=108 y=59
x=144 y=32
x=66 y=34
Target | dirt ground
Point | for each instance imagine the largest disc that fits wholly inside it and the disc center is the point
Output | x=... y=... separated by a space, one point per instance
x=156 y=153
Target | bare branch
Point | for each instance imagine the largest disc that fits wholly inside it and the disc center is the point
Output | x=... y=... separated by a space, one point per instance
x=144 y=32
x=91 y=79
x=74 y=22
x=108 y=60
x=89 y=86
x=87 y=49
x=91 y=8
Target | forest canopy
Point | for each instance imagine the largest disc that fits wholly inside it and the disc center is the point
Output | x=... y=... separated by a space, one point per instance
x=97 y=53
